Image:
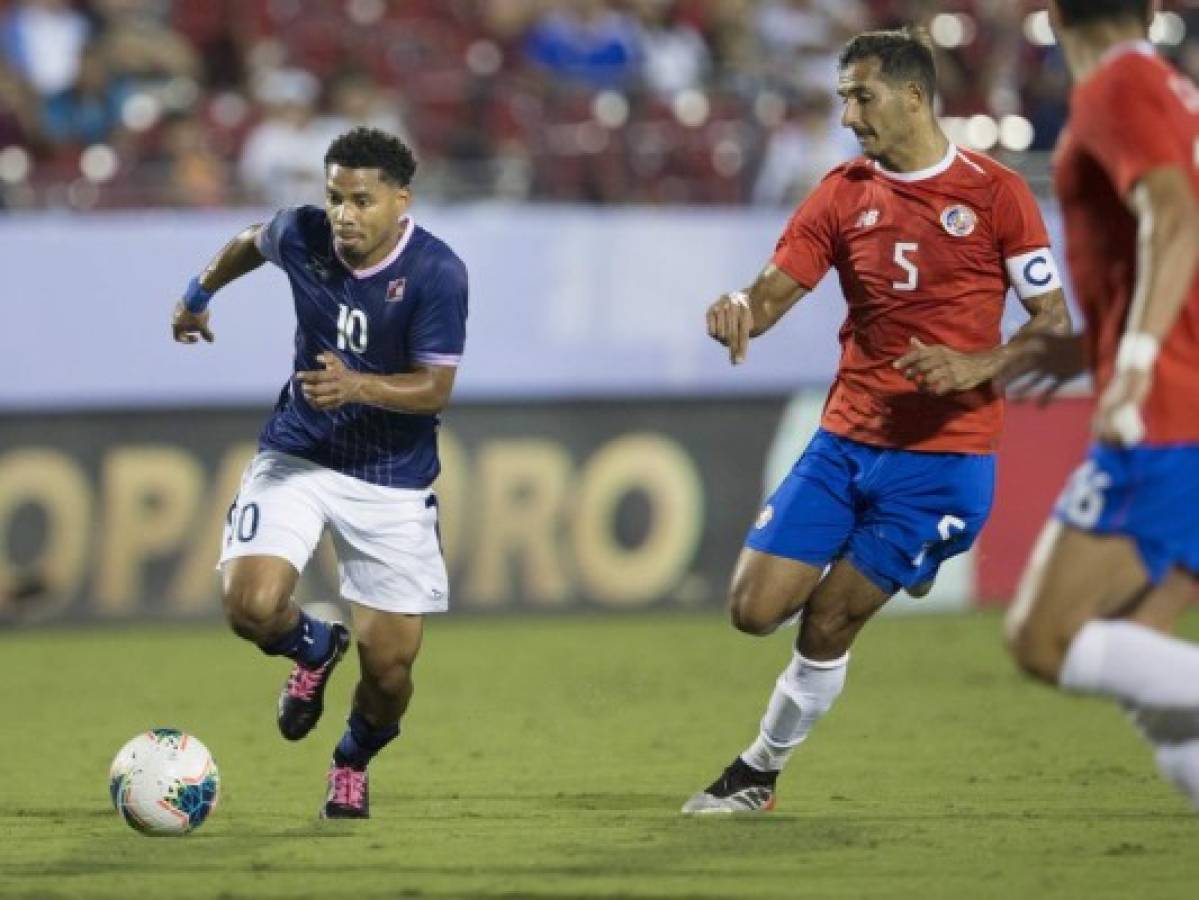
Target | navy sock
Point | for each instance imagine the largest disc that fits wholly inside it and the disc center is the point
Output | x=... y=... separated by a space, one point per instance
x=362 y=741
x=309 y=643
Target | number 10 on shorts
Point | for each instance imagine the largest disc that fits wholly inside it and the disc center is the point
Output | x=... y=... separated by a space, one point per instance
x=242 y=523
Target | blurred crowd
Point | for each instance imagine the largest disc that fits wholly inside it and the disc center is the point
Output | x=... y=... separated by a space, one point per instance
x=204 y=103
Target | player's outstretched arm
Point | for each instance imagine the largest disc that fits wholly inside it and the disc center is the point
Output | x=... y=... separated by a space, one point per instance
x=425 y=390
x=940 y=370
x=740 y=315
x=189 y=321
x=1167 y=256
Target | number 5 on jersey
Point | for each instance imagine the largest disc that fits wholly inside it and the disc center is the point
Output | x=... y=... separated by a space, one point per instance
x=351 y=329
x=902 y=249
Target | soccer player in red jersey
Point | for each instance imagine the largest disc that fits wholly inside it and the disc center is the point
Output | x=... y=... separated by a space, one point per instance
x=1119 y=560
x=926 y=239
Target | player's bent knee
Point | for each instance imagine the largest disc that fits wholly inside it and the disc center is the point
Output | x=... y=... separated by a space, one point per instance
x=827 y=633
x=750 y=618
x=1038 y=651
x=251 y=607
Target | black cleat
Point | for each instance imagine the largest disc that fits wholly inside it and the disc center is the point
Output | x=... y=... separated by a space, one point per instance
x=349 y=793
x=303 y=698
x=740 y=789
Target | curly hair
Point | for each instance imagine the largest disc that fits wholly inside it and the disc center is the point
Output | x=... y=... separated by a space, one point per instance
x=903 y=55
x=370 y=148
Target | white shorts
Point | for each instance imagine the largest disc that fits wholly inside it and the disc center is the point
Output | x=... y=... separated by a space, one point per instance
x=388 y=549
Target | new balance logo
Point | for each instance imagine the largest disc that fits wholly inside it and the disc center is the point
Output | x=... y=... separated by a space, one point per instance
x=868 y=219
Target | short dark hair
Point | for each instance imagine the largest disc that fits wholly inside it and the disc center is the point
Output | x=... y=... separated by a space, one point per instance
x=903 y=55
x=1080 y=12
x=370 y=148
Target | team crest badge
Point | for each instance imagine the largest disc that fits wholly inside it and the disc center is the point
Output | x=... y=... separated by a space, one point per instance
x=395 y=290
x=959 y=220
x=764 y=517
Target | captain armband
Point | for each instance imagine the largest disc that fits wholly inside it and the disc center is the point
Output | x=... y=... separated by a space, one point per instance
x=1033 y=274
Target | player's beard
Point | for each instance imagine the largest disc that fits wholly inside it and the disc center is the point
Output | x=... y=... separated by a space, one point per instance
x=355 y=250
x=868 y=142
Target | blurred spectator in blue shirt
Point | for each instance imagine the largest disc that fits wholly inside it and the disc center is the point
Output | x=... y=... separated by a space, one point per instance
x=89 y=111
x=588 y=42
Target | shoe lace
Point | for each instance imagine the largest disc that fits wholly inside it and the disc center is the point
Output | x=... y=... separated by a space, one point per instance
x=347 y=787
x=303 y=682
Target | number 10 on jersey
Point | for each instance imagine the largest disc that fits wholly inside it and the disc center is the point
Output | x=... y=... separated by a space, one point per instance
x=351 y=329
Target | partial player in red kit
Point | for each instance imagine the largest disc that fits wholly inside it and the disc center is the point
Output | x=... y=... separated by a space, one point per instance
x=1119 y=560
x=926 y=239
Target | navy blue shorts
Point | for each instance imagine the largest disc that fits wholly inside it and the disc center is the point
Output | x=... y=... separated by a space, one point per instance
x=895 y=514
x=1147 y=494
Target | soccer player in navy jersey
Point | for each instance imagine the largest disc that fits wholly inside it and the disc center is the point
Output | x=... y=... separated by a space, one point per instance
x=351 y=445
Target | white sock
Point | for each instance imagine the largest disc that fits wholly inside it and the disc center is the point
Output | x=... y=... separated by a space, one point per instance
x=1179 y=763
x=1137 y=665
x=1174 y=734
x=803 y=693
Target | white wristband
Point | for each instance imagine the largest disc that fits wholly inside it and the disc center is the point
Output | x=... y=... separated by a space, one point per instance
x=740 y=298
x=1138 y=352
x=1128 y=424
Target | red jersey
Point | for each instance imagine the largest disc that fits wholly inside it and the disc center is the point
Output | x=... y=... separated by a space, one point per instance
x=1133 y=114
x=920 y=254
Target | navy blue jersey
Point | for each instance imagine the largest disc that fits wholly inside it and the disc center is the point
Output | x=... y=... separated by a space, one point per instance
x=409 y=309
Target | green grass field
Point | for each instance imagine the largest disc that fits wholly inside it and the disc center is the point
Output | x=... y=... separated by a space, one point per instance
x=549 y=757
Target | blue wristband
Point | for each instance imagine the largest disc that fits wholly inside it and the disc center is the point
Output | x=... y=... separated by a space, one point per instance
x=195 y=298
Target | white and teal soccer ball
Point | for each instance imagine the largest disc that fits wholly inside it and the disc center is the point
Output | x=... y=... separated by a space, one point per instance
x=164 y=782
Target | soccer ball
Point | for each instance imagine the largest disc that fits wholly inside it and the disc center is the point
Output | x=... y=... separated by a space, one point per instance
x=164 y=782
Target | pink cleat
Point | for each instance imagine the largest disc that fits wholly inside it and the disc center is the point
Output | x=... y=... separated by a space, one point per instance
x=303 y=698
x=349 y=794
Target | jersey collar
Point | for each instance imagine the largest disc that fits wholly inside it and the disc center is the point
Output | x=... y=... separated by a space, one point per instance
x=378 y=267
x=1141 y=46
x=931 y=172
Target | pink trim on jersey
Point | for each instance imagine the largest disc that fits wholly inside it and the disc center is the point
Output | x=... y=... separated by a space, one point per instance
x=437 y=359
x=391 y=257
x=931 y=172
